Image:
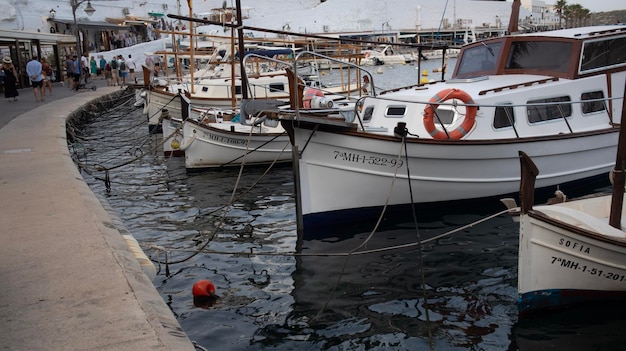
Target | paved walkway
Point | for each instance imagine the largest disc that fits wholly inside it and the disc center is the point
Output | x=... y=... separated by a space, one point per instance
x=68 y=280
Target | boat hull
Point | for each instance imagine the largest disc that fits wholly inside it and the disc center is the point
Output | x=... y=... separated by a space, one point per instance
x=231 y=144
x=355 y=171
x=568 y=256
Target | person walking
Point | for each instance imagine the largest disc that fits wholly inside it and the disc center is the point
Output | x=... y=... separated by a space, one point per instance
x=123 y=70
x=46 y=70
x=77 y=72
x=93 y=67
x=34 y=71
x=115 y=71
x=130 y=63
x=108 y=74
x=84 y=65
x=69 y=72
x=102 y=64
x=10 y=79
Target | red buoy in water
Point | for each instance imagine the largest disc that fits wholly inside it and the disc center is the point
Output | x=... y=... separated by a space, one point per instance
x=203 y=288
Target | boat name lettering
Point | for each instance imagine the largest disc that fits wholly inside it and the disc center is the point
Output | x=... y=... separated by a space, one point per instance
x=225 y=140
x=372 y=160
x=565 y=263
x=574 y=245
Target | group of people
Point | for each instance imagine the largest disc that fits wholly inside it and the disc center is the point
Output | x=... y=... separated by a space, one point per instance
x=115 y=71
x=39 y=73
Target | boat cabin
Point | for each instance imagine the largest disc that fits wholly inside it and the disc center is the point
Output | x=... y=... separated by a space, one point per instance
x=575 y=53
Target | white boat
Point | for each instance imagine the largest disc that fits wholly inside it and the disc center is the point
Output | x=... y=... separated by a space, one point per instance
x=550 y=94
x=219 y=139
x=385 y=55
x=574 y=251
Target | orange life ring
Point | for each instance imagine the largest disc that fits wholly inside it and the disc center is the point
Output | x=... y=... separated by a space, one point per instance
x=309 y=93
x=458 y=132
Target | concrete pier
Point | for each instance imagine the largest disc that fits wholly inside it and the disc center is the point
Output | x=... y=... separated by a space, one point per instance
x=68 y=280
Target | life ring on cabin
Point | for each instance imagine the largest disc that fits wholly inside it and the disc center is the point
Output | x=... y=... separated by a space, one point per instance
x=458 y=132
x=309 y=94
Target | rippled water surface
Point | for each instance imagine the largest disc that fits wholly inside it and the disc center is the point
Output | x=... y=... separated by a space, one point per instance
x=237 y=228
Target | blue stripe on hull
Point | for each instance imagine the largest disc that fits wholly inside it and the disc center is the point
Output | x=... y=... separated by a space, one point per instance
x=556 y=298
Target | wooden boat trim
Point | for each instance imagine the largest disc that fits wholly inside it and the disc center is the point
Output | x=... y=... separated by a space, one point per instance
x=520 y=85
x=576 y=230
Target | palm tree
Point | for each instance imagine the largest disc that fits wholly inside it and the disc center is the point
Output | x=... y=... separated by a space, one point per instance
x=560 y=6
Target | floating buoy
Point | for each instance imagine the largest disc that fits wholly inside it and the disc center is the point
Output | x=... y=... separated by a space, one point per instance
x=379 y=70
x=175 y=144
x=203 y=288
x=425 y=72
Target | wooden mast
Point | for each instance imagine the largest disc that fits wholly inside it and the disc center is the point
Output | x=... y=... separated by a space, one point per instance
x=619 y=179
x=191 y=49
x=244 y=78
x=513 y=21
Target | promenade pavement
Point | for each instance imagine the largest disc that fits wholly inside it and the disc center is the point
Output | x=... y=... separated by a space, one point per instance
x=68 y=279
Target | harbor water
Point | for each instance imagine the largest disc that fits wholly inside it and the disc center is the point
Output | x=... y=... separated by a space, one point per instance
x=237 y=228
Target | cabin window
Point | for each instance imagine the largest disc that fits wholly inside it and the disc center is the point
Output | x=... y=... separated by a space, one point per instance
x=395 y=111
x=540 y=55
x=592 y=106
x=503 y=117
x=237 y=89
x=277 y=87
x=205 y=89
x=479 y=60
x=367 y=114
x=548 y=109
x=603 y=54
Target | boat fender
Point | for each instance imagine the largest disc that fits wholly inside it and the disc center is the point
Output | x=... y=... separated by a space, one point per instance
x=460 y=131
x=309 y=93
x=321 y=102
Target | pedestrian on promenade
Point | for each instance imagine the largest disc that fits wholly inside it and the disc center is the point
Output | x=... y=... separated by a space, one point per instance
x=34 y=71
x=77 y=72
x=93 y=67
x=123 y=70
x=130 y=63
x=84 y=65
x=115 y=70
x=10 y=79
x=102 y=64
x=108 y=74
x=69 y=72
x=46 y=70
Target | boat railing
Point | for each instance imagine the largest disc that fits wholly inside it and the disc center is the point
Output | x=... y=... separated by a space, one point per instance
x=296 y=61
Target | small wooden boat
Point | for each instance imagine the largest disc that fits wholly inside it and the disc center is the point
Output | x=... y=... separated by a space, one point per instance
x=574 y=251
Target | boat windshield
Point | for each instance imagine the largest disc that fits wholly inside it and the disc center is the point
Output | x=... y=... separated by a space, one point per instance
x=553 y=56
x=479 y=60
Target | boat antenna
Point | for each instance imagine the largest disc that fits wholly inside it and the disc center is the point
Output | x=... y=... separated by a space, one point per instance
x=441 y=22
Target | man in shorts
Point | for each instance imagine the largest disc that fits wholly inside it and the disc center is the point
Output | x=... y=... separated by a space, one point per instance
x=69 y=72
x=130 y=63
x=34 y=71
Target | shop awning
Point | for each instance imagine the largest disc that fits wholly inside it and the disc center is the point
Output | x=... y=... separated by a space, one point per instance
x=156 y=14
x=131 y=20
x=90 y=24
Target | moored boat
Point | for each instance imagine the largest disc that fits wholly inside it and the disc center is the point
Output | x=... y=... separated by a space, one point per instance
x=551 y=94
x=573 y=251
